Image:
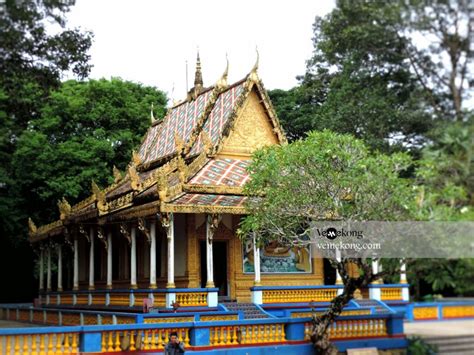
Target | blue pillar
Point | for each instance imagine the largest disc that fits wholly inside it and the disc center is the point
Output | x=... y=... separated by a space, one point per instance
x=294 y=331
x=200 y=336
x=395 y=324
x=90 y=342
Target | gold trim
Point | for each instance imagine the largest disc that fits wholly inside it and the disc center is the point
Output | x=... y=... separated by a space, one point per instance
x=165 y=207
x=213 y=189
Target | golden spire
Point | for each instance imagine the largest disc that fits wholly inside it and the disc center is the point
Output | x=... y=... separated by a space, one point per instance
x=198 y=84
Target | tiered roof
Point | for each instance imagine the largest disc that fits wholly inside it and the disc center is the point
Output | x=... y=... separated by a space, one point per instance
x=183 y=164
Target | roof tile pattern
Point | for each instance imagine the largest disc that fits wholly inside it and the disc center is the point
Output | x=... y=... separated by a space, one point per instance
x=160 y=141
x=227 y=172
x=214 y=125
x=210 y=200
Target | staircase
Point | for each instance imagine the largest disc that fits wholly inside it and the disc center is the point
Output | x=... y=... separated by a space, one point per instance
x=379 y=309
x=250 y=310
x=456 y=345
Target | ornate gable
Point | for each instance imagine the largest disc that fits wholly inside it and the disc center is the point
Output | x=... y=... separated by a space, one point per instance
x=252 y=130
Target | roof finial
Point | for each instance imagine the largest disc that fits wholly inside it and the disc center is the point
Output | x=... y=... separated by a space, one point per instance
x=222 y=82
x=198 y=76
x=253 y=73
x=152 y=118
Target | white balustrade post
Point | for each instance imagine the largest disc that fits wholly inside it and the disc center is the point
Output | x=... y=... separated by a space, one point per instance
x=109 y=260
x=153 y=255
x=60 y=268
x=133 y=258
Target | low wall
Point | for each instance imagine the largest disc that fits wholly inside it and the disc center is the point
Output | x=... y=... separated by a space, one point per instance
x=386 y=331
x=424 y=311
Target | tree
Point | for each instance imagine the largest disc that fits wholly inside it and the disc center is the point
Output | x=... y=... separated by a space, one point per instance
x=84 y=130
x=36 y=49
x=327 y=176
x=370 y=75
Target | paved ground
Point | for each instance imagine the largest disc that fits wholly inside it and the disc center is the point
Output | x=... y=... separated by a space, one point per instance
x=442 y=328
x=12 y=324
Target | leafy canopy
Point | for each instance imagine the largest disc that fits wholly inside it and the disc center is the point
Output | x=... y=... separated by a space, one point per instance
x=325 y=176
x=85 y=129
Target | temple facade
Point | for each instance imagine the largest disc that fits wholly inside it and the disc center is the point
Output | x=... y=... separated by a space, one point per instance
x=166 y=229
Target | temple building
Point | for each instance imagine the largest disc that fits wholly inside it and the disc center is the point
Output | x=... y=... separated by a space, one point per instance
x=158 y=252
x=171 y=220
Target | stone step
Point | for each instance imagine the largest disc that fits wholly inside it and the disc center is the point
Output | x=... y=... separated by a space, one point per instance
x=462 y=344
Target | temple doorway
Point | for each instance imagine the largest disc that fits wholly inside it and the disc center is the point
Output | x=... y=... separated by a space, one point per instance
x=220 y=266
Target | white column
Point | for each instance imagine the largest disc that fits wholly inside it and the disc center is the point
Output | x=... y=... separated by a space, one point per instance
x=109 y=260
x=91 y=259
x=152 y=255
x=374 y=290
x=75 y=286
x=48 y=271
x=375 y=269
x=41 y=270
x=209 y=256
x=257 y=295
x=403 y=273
x=170 y=237
x=60 y=267
x=338 y=275
x=133 y=258
x=256 y=262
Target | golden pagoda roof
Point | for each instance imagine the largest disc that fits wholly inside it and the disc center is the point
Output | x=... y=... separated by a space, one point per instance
x=183 y=163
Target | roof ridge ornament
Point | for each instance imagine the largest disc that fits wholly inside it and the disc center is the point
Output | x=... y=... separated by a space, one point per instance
x=64 y=209
x=178 y=142
x=253 y=76
x=136 y=160
x=152 y=117
x=117 y=174
x=100 y=197
x=32 y=226
x=134 y=178
x=222 y=82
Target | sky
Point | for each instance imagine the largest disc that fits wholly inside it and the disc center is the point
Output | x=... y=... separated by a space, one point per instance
x=149 y=41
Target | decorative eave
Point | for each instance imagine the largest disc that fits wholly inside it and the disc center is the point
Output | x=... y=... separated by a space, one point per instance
x=170 y=207
x=43 y=232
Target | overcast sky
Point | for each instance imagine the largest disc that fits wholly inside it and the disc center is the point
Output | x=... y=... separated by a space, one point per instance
x=149 y=41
